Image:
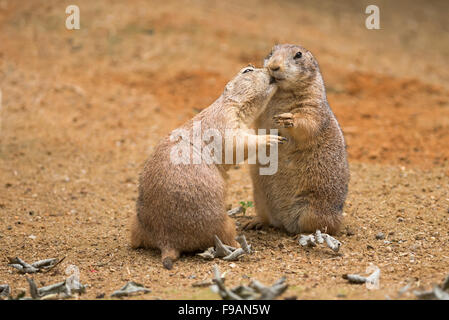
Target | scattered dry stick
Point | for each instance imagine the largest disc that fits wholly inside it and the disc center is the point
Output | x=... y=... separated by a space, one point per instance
x=5 y=291
x=38 y=266
x=439 y=292
x=235 y=211
x=312 y=240
x=60 y=290
x=131 y=288
x=255 y=290
x=372 y=279
x=226 y=252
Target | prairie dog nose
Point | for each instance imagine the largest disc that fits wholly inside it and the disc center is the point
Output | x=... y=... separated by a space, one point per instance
x=275 y=64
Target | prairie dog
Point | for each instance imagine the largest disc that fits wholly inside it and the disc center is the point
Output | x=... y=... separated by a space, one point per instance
x=310 y=187
x=181 y=207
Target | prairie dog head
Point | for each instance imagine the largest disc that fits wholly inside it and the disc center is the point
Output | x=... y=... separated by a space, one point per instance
x=249 y=92
x=292 y=66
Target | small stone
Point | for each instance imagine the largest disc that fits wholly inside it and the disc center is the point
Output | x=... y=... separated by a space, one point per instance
x=380 y=236
x=32 y=236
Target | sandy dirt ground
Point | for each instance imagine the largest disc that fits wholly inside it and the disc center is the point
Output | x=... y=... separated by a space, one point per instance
x=83 y=109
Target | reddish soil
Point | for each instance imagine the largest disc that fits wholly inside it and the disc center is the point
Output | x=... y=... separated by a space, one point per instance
x=81 y=111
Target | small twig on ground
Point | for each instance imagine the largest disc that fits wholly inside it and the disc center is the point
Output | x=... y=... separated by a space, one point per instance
x=49 y=268
x=131 y=288
x=203 y=283
x=245 y=246
x=5 y=291
x=439 y=292
x=209 y=254
x=226 y=252
x=308 y=241
x=38 y=266
x=354 y=278
x=235 y=211
x=255 y=290
x=312 y=240
x=332 y=243
x=21 y=265
x=372 y=279
x=404 y=289
x=445 y=284
x=60 y=290
x=234 y=255
x=220 y=250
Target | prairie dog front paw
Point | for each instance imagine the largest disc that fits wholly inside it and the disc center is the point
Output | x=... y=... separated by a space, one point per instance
x=271 y=140
x=284 y=120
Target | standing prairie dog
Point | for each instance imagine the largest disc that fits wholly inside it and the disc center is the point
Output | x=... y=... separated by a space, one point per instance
x=181 y=206
x=310 y=187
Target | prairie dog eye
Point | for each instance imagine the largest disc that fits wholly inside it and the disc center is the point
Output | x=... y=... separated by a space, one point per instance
x=298 y=55
x=248 y=70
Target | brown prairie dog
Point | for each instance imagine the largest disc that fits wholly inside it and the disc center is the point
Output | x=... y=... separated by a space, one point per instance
x=181 y=206
x=310 y=187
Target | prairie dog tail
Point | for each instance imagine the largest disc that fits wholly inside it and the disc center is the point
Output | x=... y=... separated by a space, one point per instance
x=168 y=257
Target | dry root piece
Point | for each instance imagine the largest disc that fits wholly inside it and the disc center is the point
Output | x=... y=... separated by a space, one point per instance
x=439 y=292
x=226 y=252
x=5 y=291
x=332 y=243
x=220 y=249
x=255 y=290
x=319 y=237
x=270 y=293
x=445 y=284
x=372 y=279
x=202 y=284
x=354 y=278
x=312 y=240
x=235 y=211
x=209 y=254
x=307 y=241
x=245 y=246
x=38 y=266
x=129 y=289
x=234 y=255
x=60 y=290
x=220 y=288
